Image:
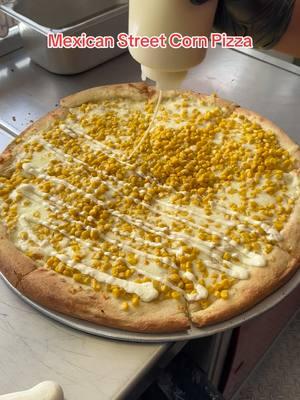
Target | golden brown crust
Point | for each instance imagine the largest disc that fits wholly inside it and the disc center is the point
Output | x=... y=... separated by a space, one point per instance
x=245 y=294
x=13 y=264
x=296 y=156
x=136 y=91
x=57 y=293
x=291 y=233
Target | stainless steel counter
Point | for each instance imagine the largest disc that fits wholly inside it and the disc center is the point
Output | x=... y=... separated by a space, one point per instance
x=34 y=348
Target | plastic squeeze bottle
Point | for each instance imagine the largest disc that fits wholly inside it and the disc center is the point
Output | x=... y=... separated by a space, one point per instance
x=168 y=66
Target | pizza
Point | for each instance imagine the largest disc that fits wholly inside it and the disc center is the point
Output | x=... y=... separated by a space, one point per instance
x=195 y=227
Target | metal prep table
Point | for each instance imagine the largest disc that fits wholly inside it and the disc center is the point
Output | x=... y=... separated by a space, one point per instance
x=34 y=348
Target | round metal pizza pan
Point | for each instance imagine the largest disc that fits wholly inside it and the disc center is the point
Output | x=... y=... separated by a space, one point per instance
x=192 y=333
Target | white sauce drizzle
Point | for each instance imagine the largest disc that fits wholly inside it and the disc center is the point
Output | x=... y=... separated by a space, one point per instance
x=149 y=127
x=24 y=222
x=145 y=290
x=234 y=271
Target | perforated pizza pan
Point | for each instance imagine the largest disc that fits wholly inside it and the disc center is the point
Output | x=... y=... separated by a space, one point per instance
x=192 y=333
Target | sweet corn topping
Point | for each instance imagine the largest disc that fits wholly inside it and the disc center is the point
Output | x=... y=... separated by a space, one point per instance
x=186 y=216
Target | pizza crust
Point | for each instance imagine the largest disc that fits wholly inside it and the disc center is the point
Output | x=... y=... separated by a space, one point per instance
x=291 y=233
x=13 y=264
x=135 y=91
x=296 y=155
x=62 y=294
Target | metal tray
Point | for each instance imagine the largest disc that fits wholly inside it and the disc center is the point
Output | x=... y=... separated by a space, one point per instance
x=192 y=333
x=70 y=17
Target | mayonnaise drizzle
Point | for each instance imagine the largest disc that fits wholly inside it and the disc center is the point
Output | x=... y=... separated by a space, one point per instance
x=145 y=290
x=24 y=221
x=235 y=271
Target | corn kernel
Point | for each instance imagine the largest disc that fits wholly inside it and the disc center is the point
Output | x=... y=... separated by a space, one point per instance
x=95 y=285
x=116 y=292
x=77 y=277
x=224 y=294
x=174 y=278
x=268 y=248
x=23 y=235
x=226 y=256
x=135 y=300
x=189 y=286
x=132 y=259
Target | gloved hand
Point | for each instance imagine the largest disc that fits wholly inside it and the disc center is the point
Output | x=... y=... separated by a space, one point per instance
x=265 y=20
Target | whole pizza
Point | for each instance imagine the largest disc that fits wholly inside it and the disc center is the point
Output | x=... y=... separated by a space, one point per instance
x=196 y=226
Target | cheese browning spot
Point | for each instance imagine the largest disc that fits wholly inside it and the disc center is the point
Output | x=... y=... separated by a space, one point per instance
x=185 y=217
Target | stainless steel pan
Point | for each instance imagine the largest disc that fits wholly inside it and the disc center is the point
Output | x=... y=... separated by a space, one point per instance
x=70 y=17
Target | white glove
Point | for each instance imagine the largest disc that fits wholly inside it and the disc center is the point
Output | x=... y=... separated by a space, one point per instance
x=47 y=390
